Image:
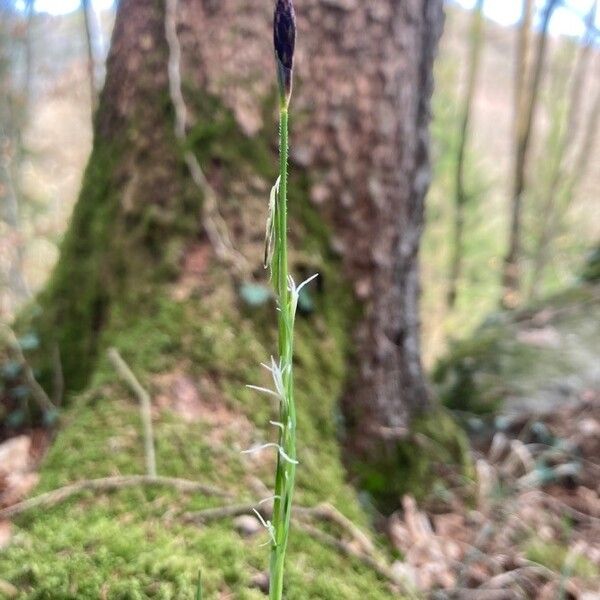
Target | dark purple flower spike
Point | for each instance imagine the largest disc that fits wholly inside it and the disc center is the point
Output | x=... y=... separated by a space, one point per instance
x=284 y=37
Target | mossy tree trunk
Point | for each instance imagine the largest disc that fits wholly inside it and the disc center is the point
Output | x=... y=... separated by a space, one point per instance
x=360 y=172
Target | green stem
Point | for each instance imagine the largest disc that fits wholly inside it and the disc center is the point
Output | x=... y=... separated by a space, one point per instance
x=286 y=470
x=281 y=227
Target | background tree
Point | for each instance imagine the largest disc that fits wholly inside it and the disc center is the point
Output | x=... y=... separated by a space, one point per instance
x=527 y=110
x=90 y=38
x=461 y=195
x=30 y=14
x=568 y=163
x=15 y=51
x=524 y=36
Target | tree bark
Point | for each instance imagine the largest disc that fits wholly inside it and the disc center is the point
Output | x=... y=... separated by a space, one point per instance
x=359 y=142
x=390 y=388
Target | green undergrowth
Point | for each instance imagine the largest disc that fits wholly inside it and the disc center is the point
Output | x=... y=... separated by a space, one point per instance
x=529 y=357
x=132 y=543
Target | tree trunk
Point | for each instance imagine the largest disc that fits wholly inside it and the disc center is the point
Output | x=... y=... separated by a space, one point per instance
x=359 y=168
x=460 y=197
x=90 y=36
x=522 y=62
x=27 y=87
x=511 y=276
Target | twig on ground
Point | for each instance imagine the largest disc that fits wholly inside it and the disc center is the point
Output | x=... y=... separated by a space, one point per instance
x=37 y=391
x=471 y=594
x=223 y=512
x=534 y=479
x=328 y=512
x=108 y=484
x=475 y=551
x=145 y=407
x=8 y=590
x=564 y=509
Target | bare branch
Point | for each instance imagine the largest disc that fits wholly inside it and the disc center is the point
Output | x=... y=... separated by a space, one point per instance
x=89 y=38
x=106 y=485
x=344 y=547
x=145 y=407
x=526 y=118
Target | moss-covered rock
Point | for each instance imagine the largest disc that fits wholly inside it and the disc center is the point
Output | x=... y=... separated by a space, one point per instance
x=533 y=359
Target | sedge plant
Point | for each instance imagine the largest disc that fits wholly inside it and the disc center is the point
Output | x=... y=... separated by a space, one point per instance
x=287 y=294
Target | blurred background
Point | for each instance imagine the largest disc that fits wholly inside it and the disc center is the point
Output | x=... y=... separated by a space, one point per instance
x=510 y=330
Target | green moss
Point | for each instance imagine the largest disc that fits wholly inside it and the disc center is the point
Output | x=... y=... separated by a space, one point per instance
x=127 y=556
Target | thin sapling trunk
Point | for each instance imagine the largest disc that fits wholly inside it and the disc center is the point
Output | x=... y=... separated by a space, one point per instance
x=461 y=195
x=511 y=276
